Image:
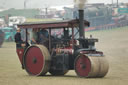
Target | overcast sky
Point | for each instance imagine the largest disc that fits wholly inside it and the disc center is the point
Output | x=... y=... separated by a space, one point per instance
x=44 y=3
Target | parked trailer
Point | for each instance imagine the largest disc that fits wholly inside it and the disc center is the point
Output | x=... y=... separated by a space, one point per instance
x=62 y=54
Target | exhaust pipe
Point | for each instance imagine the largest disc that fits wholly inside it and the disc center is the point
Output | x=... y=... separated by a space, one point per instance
x=81 y=4
x=81 y=24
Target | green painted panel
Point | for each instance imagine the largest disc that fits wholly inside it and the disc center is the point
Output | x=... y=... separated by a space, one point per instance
x=123 y=10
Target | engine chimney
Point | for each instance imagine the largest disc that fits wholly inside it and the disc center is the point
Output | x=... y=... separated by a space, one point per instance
x=81 y=23
x=81 y=4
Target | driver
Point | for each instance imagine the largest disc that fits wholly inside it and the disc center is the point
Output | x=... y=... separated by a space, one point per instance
x=43 y=37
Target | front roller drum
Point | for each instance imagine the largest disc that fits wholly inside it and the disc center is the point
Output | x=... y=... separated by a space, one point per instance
x=91 y=66
x=36 y=60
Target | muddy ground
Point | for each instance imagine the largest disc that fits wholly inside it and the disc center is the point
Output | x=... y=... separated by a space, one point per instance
x=114 y=44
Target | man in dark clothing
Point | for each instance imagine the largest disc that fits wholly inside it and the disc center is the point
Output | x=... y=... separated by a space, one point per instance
x=18 y=39
x=43 y=37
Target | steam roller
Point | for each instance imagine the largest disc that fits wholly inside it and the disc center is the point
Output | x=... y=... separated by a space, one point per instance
x=70 y=51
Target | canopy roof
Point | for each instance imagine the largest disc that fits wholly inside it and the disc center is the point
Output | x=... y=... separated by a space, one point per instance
x=52 y=24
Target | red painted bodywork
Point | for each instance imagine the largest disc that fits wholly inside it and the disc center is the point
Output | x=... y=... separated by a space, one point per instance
x=68 y=49
x=20 y=53
x=64 y=50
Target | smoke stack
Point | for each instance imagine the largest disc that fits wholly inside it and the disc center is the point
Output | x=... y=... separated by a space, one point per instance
x=80 y=4
x=81 y=24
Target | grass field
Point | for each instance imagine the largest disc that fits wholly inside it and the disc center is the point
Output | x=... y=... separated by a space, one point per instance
x=114 y=44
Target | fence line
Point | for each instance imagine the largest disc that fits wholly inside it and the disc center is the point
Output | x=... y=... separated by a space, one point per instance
x=121 y=23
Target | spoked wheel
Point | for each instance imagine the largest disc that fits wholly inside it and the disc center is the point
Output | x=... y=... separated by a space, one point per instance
x=37 y=60
x=58 y=72
x=91 y=66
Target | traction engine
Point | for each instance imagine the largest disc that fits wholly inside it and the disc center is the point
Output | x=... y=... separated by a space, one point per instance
x=63 y=54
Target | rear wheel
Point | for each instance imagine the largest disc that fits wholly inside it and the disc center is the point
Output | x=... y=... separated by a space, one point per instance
x=37 y=60
x=91 y=66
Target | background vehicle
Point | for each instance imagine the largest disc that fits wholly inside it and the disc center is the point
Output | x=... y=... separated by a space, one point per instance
x=9 y=33
x=1 y=37
x=2 y=22
x=13 y=21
